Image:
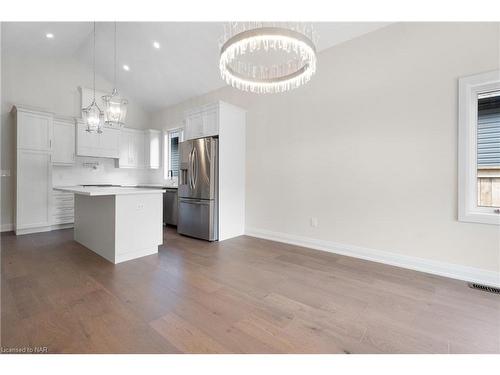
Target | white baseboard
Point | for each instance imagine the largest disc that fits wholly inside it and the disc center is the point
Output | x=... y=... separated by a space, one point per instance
x=32 y=230
x=119 y=258
x=6 y=227
x=61 y=226
x=450 y=270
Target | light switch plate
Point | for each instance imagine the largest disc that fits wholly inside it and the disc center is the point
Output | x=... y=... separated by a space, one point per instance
x=5 y=173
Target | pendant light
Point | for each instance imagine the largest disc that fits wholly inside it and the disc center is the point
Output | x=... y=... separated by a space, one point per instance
x=250 y=56
x=115 y=107
x=92 y=115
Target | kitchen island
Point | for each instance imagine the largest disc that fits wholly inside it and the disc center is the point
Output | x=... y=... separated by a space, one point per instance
x=118 y=223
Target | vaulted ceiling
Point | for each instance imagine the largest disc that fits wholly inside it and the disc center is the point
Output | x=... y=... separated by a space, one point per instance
x=185 y=65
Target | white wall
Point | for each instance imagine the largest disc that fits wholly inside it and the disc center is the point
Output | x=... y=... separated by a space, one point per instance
x=53 y=84
x=369 y=146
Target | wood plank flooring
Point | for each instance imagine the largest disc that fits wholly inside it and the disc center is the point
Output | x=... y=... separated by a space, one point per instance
x=243 y=295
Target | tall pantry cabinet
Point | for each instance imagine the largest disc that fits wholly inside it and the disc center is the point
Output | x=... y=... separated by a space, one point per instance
x=33 y=169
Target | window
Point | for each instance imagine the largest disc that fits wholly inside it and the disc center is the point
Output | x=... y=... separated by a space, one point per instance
x=172 y=139
x=479 y=148
x=488 y=149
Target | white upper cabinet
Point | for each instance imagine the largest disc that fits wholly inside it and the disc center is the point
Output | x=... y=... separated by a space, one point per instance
x=132 y=149
x=153 y=148
x=100 y=145
x=63 y=142
x=140 y=148
x=211 y=120
x=193 y=125
x=202 y=122
x=34 y=129
x=109 y=143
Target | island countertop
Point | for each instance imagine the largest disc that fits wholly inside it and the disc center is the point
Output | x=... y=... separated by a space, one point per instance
x=111 y=190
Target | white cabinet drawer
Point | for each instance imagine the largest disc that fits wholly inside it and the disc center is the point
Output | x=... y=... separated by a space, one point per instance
x=63 y=207
x=63 y=220
x=64 y=211
x=62 y=198
x=59 y=193
x=63 y=201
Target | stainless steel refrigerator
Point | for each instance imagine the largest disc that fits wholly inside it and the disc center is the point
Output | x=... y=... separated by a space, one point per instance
x=198 y=188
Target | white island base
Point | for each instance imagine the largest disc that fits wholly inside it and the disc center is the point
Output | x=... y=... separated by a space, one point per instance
x=118 y=224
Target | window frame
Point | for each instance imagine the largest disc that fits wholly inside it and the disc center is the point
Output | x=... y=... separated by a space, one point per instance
x=469 y=89
x=166 y=148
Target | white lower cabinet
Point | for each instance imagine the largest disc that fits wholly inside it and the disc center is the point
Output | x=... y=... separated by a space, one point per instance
x=63 y=208
x=33 y=191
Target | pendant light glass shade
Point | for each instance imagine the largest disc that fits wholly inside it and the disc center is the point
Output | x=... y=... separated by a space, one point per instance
x=115 y=107
x=92 y=115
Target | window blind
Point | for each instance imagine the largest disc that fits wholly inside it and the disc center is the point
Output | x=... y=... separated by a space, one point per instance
x=488 y=139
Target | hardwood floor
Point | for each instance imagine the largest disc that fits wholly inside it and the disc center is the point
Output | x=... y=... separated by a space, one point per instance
x=243 y=295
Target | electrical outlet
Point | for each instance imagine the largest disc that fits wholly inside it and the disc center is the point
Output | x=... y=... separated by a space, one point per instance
x=5 y=173
x=314 y=222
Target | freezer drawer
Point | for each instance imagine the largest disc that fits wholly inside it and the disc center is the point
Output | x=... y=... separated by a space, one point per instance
x=198 y=218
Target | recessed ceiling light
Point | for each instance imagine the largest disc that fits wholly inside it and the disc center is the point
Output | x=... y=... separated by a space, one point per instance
x=49 y=36
x=126 y=67
x=156 y=45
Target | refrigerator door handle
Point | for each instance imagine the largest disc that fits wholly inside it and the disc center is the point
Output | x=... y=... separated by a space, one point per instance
x=195 y=167
x=190 y=173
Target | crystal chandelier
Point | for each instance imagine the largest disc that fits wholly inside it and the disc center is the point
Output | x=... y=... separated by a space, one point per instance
x=115 y=107
x=92 y=115
x=267 y=57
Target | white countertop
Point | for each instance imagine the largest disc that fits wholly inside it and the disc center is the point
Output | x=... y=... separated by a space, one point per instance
x=156 y=186
x=112 y=190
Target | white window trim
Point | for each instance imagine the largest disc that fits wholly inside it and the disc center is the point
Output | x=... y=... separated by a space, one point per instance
x=469 y=89
x=166 y=149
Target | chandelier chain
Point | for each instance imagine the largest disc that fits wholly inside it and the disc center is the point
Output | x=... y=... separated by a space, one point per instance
x=93 y=80
x=114 y=83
